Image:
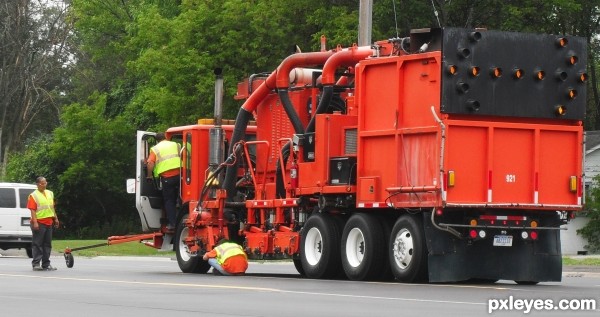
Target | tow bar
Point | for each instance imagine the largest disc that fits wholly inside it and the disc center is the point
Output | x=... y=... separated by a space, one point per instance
x=70 y=261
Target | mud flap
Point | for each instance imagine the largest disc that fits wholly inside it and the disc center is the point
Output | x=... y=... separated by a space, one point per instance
x=452 y=259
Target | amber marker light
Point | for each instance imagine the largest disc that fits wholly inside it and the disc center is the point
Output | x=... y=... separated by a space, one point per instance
x=560 y=110
x=571 y=93
x=561 y=42
x=452 y=69
x=496 y=72
x=451 y=178
x=583 y=77
x=474 y=71
x=533 y=224
x=540 y=74
x=573 y=183
x=473 y=222
x=518 y=73
x=572 y=60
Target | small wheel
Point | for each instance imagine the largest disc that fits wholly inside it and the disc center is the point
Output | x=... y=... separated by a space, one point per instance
x=188 y=263
x=69 y=260
x=29 y=252
x=407 y=250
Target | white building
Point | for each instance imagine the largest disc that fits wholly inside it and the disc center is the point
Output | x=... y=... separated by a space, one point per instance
x=572 y=243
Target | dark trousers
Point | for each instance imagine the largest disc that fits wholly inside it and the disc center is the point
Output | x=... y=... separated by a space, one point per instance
x=170 y=192
x=41 y=245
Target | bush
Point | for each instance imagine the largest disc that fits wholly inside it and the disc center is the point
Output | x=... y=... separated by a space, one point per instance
x=591 y=231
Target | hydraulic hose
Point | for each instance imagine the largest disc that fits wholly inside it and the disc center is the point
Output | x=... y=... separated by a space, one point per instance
x=239 y=131
x=290 y=111
x=321 y=108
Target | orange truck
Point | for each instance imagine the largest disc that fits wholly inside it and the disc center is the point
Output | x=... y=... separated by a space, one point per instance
x=448 y=155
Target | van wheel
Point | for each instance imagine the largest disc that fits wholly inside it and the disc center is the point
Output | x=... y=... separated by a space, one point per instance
x=188 y=263
x=29 y=252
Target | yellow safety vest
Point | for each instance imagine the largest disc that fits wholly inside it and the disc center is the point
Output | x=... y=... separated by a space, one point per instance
x=45 y=204
x=167 y=157
x=227 y=250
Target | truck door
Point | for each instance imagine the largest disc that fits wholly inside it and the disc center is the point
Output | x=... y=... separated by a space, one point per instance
x=148 y=197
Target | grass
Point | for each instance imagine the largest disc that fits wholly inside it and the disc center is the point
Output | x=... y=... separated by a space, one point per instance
x=124 y=249
x=584 y=261
x=139 y=249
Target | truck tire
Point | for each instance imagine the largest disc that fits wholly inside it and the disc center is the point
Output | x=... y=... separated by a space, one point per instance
x=363 y=247
x=320 y=247
x=29 y=252
x=298 y=266
x=188 y=263
x=386 y=227
x=407 y=250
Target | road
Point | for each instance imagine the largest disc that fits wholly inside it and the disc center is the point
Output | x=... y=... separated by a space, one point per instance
x=137 y=286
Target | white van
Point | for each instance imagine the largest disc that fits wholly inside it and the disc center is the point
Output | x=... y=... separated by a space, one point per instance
x=15 y=232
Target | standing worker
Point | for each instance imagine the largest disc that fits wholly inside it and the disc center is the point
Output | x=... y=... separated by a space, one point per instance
x=43 y=217
x=227 y=258
x=164 y=162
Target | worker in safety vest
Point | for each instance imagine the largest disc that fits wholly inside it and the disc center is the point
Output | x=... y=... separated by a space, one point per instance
x=227 y=258
x=43 y=217
x=164 y=162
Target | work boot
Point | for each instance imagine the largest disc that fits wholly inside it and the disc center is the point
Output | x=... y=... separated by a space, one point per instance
x=49 y=268
x=37 y=267
x=217 y=272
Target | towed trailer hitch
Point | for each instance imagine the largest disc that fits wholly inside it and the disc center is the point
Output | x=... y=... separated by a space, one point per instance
x=70 y=260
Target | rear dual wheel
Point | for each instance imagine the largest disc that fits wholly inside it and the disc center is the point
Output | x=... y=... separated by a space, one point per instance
x=407 y=250
x=320 y=247
x=363 y=248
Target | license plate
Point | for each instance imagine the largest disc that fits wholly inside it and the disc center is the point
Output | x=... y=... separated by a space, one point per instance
x=503 y=241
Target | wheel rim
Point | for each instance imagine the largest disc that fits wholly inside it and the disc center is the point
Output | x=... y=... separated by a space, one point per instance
x=184 y=251
x=403 y=249
x=313 y=247
x=355 y=247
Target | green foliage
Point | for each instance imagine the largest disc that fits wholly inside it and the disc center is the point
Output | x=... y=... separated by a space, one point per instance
x=591 y=231
x=34 y=161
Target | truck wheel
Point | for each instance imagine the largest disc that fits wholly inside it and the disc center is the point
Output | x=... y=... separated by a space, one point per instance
x=407 y=250
x=320 y=247
x=188 y=263
x=298 y=266
x=29 y=252
x=526 y=282
x=386 y=226
x=362 y=247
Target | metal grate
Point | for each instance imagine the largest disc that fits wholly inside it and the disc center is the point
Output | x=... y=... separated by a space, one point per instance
x=350 y=147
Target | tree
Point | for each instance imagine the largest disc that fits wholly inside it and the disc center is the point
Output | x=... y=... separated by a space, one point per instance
x=34 y=62
x=591 y=231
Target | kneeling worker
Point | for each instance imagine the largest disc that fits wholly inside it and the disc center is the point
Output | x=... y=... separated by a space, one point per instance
x=227 y=258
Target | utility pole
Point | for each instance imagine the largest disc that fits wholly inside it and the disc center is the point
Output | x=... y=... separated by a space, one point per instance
x=365 y=13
